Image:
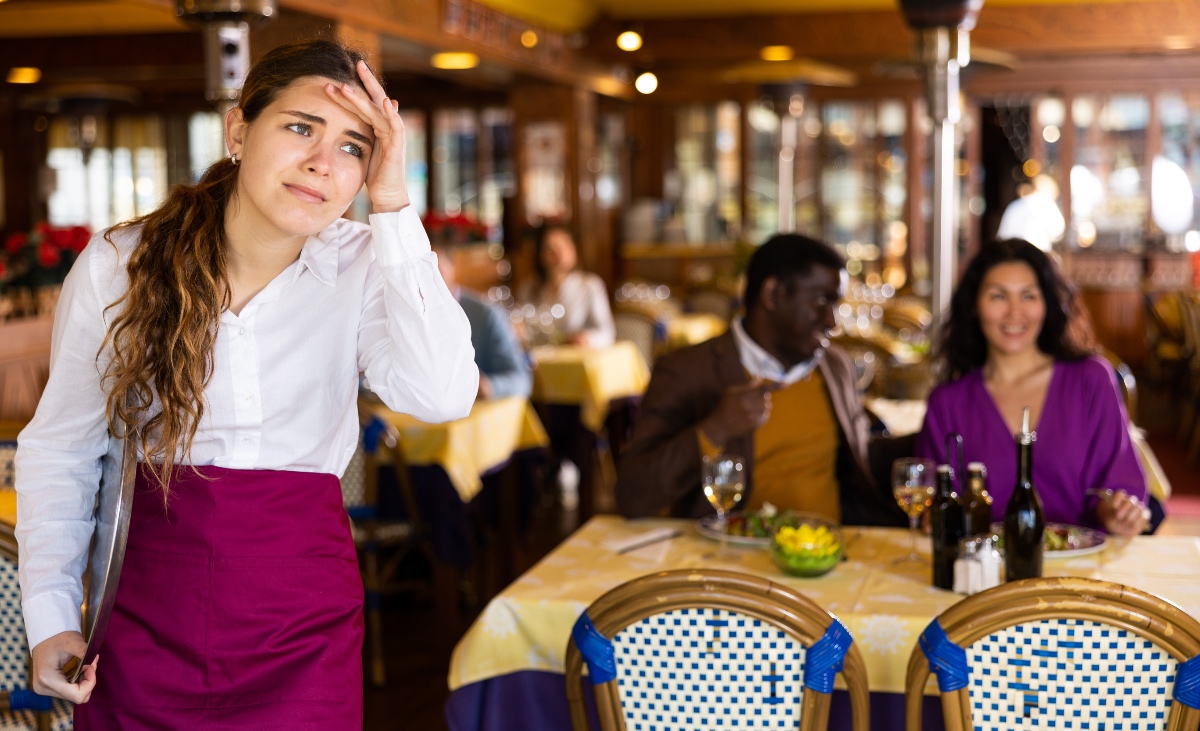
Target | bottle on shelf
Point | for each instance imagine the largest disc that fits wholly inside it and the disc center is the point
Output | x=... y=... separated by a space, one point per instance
x=946 y=522
x=977 y=503
x=1024 y=523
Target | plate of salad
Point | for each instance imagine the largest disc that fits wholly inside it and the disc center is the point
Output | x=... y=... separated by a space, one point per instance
x=1063 y=541
x=745 y=529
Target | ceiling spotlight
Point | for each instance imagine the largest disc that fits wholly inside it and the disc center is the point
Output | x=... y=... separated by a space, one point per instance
x=777 y=53
x=454 y=61
x=529 y=39
x=646 y=83
x=24 y=75
x=630 y=40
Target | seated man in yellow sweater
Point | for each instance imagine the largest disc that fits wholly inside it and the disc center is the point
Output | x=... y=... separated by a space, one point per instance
x=772 y=391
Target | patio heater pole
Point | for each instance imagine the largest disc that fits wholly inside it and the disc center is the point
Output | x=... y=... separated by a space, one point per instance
x=942 y=35
x=226 y=28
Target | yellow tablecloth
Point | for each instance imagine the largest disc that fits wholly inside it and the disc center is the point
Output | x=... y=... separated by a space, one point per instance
x=469 y=447
x=588 y=377
x=885 y=607
x=8 y=507
x=689 y=329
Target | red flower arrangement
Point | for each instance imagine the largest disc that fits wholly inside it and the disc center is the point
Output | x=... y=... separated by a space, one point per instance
x=41 y=257
x=456 y=229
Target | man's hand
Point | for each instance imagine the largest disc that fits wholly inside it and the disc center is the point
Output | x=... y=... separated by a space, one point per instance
x=742 y=409
x=485 y=387
x=48 y=659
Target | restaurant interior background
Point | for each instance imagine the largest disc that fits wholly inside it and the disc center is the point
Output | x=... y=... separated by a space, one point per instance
x=727 y=122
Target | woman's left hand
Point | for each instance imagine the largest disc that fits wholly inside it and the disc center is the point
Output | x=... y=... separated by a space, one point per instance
x=1123 y=514
x=386 y=185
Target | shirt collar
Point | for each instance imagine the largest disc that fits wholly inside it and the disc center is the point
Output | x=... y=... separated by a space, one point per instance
x=320 y=256
x=761 y=364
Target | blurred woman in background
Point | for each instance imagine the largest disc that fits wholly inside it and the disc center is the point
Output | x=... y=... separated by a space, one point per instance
x=586 y=316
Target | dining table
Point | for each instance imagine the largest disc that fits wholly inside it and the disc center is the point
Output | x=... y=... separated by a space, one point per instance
x=689 y=328
x=470 y=447
x=587 y=377
x=451 y=465
x=584 y=392
x=507 y=670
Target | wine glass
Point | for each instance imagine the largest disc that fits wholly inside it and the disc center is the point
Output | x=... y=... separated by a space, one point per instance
x=724 y=480
x=912 y=486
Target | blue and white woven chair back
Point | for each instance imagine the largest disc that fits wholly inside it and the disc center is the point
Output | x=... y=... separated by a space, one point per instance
x=708 y=668
x=14 y=657
x=1069 y=674
x=353 y=489
x=710 y=649
x=1060 y=653
x=8 y=470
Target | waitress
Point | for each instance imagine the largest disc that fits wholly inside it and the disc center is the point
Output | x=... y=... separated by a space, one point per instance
x=236 y=320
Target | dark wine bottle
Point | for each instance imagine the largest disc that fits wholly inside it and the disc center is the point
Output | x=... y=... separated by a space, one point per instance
x=948 y=527
x=977 y=503
x=1024 y=523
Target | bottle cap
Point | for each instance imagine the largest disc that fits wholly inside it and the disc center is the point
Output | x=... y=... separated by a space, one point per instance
x=945 y=469
x=977 y=467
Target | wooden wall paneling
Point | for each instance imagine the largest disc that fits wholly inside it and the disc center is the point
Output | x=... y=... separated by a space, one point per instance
x=649 y=149
x=595 y=235
x=364 y=40
x=746 y=150
x=1153 y=147
x=973 y=184
x=1066 y=153
x=918 y=224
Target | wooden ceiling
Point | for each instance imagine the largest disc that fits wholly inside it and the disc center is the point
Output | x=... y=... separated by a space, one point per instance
x=693 y=52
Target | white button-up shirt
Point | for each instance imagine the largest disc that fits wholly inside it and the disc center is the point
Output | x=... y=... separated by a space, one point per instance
x=761 y=364
x=358 y=300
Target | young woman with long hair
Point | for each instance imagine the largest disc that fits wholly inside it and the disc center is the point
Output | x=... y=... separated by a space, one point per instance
x=230 y=329
x=1016 y=337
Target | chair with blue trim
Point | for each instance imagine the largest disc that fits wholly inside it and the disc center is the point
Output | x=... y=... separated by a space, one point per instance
x=372 y=535
x=700 y=649
x=1061 y=653
x=20 y=708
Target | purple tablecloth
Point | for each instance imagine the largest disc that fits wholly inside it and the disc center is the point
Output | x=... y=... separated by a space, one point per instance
x=533 y=700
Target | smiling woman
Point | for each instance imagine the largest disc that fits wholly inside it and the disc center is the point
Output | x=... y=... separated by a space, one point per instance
x=228 y=330
x=1016 y=338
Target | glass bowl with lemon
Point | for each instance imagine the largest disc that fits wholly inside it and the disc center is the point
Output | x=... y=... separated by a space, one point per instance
x=807 y=545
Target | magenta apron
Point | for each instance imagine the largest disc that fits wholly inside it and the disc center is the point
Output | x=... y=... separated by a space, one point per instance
x=241 y=608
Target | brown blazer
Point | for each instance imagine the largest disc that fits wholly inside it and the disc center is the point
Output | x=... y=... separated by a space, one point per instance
x=660 y=467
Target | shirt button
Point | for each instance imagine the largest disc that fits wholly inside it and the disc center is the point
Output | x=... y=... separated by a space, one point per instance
x=241 y=331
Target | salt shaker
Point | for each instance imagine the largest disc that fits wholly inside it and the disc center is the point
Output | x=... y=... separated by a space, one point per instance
x=992 y=562
x=968 y=568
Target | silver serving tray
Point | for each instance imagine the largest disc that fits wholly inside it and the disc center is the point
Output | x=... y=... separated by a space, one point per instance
x=114 y=505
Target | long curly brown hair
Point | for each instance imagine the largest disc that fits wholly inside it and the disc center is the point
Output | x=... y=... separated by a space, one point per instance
x=165 y=327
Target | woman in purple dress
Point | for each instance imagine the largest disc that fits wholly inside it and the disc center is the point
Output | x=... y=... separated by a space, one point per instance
x=1015 y=338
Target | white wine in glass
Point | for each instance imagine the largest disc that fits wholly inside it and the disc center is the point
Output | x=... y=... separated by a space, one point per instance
x=912 y=486
x=724 y=480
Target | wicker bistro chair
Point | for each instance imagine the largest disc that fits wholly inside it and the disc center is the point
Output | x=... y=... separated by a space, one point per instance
x=640 y=329
x=714 y=301
x=20 y=708
x=1063 y=653
x=381 y=544
x=701 y=649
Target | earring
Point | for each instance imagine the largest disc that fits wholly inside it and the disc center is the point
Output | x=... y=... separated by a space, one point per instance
x=233 y=159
